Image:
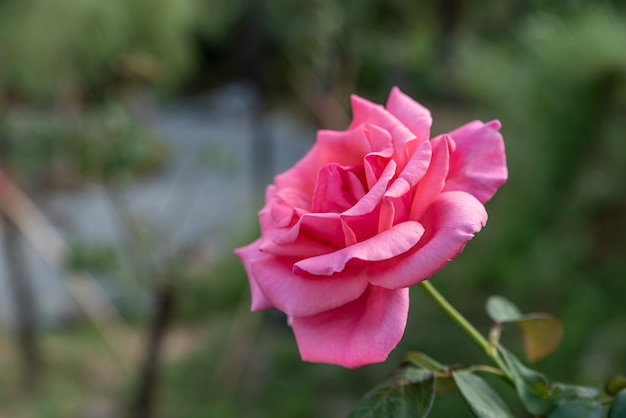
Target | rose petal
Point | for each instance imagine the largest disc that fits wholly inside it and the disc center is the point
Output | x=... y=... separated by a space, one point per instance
x=338 y=188
x=400 y=135
x=283 y=206
x=414 y=170
x=386 y=215
x=366 y=112
x=361 y=109
x=328 y=228
x=356 y=334
x=304 y=296
x=373 y=197
x=452 y=220
x=433 y=181
x=375 y=164
x=302 y=175
x=247 y=255
x=364 y=225
x=412 y=114
x=395 y=204
x=478 y=165
x=366 y=218
x=380 y=140
x=388 y=244
x=393 y=211
x=302 y=247
x=343 y=147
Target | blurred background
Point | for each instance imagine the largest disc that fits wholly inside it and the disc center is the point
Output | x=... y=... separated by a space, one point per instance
x=136 y=140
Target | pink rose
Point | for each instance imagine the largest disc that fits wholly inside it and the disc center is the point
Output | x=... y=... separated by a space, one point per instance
x=364 y=215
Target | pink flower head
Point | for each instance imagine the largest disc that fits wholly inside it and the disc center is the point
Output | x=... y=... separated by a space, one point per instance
x=363 y=216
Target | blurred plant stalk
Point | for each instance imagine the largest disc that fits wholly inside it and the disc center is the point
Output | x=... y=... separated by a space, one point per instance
x=33 y=225
x=162 y=313
x=24 y=305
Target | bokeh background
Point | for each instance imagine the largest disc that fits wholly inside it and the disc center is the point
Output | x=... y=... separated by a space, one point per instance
x=136 y=139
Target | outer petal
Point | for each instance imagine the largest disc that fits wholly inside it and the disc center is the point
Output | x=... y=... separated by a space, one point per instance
x=283 y=205
x=356 y=334
x=412 y=114
x=388 y=244
x=452 y=220
x=304 y=296
x=247 y=255
x=478 y=165
x=303 y=174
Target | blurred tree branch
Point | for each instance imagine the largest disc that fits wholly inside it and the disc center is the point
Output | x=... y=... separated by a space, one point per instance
x=24 y=302
x=47 y=241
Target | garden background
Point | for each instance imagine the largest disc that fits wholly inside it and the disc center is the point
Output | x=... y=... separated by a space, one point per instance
x=136 y=139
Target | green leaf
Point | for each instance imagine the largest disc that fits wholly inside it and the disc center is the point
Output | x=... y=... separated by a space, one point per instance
x=567 y=391
x=542 y=332
x=444 y=385
x=559 y=400
x=408 y=393
x=542 y=335
x=421 y=359
x=481 y=399
x=578 y=408
x=615 y=385
x=618 y=407
x=531 y=386
x=502 y=310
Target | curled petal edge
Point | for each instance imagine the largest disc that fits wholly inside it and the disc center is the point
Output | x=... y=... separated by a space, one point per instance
x=452 y=220
x=362 y=332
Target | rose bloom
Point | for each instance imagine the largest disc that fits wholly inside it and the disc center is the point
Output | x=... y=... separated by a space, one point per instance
x=364 y=215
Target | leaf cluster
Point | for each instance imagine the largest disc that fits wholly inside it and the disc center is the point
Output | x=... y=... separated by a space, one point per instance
x=411 y=389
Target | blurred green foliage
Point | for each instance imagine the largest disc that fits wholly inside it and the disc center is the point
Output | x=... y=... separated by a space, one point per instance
x=366 y=45
x=106 y=145
x=555 y=75
x=72 y=48
x=560 y=89
x=553 y=72
x=94 y=258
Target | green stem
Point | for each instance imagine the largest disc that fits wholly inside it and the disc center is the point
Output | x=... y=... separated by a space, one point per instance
x=489 y=349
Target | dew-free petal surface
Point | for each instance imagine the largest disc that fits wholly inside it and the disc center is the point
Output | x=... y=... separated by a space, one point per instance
x=452 y=220
x=388 y=244
x=478 y=165
x=300 y=295
x=247 y=255
x=356 y=334
x=412 y=114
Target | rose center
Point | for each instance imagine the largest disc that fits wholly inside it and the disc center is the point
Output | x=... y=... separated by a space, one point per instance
x=338 y=188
